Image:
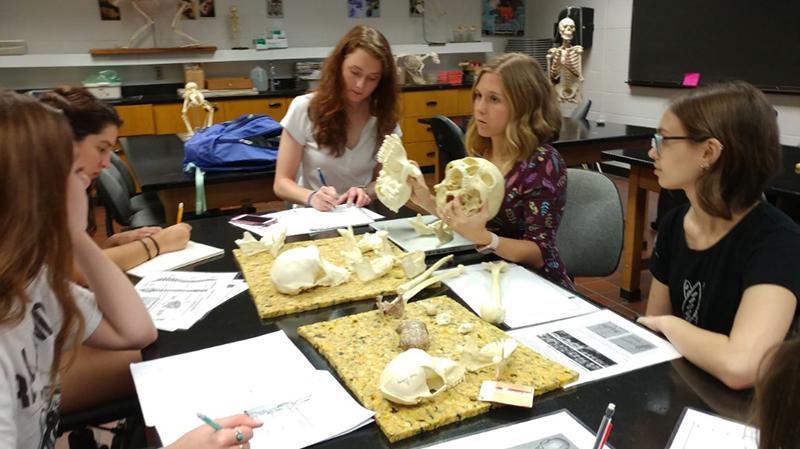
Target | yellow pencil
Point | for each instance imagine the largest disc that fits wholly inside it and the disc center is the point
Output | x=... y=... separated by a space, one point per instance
x=180 y=213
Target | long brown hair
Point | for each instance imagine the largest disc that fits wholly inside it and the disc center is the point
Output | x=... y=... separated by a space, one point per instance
x=36 y=155
x=741 y=118
x=534 y=117
x=327 y=108
x=777 y=397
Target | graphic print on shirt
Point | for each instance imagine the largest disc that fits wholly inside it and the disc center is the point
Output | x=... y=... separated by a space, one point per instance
x=692 y=297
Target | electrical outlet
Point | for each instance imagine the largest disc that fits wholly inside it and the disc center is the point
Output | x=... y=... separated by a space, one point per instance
x=159 y=72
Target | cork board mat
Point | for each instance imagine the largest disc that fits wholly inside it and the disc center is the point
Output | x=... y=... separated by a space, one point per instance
x=271 y=303
x=359 y=346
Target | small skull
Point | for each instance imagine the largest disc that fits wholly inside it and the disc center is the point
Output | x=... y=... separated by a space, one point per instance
x=475 y=182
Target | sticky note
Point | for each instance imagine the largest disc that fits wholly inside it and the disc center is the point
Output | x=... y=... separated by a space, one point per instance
x=691 y=79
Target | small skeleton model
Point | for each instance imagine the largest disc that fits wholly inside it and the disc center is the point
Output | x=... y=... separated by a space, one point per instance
x=413 y=334
x=564 y=64
x=272 y=242
x=411 y=65
x=392 y=185
x=475 y=182
x=192 y=97
x=496 y=353
x=414 y=376
x=303 y=268
x=493 y=310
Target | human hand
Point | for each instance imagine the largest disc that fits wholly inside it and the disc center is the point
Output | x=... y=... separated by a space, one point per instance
x=205 y=437
x=472 y=227
x=355 y=195
x=324 y=199
x=173 y=238
x=121 y=238
x=653 y=322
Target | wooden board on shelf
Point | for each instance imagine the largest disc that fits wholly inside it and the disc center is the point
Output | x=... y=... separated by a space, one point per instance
x=150 y=51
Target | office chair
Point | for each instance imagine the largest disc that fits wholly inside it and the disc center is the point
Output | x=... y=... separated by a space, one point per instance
x=450 y=141
x=582 y=110
x=139 y=201
x=114 y=198
x=591 y=231
x=128 y=432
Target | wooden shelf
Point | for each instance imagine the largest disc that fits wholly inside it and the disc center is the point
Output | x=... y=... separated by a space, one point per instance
x=149 y=51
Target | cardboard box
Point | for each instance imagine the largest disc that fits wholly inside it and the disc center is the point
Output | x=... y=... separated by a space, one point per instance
x=231 y=82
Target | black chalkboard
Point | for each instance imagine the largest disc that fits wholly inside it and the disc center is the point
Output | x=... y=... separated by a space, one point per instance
x=751 y=40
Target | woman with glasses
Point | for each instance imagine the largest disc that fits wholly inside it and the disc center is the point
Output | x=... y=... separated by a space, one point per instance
x=726 y=266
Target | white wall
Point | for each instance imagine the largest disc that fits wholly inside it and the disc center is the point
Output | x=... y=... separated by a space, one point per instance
x=57 y=26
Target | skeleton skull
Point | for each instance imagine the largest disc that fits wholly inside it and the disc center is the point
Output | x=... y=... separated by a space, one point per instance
x=414 y=375
x=475 y=182
x=303 y=268
x=566 y=27
x=392 y=185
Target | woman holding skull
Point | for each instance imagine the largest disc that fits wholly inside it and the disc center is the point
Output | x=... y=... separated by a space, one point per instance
x=515 y=117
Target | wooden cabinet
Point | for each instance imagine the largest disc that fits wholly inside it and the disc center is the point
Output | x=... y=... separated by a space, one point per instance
x=417 y=137
x=427 y=103
x=274 y=107
x=137 y=119
x=464 y=101
x=168 y=119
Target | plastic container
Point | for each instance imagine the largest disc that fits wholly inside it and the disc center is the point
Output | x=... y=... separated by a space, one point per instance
x=260 y=79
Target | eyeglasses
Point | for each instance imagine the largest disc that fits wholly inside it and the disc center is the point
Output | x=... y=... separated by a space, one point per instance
x=657 y=141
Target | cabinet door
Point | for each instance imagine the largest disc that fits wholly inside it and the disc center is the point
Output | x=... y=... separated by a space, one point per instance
x=136 y=119
x=168 y=117
x=274 y=107
x=413 y=131
x=464 y=101
x=430 y=102
x=425 y=153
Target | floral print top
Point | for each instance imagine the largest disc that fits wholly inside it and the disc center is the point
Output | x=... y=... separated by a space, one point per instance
x=536 y=192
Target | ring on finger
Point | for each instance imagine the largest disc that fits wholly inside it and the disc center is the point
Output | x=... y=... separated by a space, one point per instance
x=239 y=435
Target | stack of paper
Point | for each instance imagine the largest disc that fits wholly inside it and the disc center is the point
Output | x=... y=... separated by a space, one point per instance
x=528 y=298
x=193 y=253
x=267 y=376
x=304 y=220
x=700 y=430
x=178 y=299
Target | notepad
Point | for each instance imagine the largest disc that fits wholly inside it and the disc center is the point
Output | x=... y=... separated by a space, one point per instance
x=193 y=253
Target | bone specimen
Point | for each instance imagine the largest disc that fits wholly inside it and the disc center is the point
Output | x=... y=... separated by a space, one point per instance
x=413 y=334
x=393 y=308
x=419 y=226
x=402 y=288
x=438 y=228
x=492 y=310
x=443 y=318
x=495 y=353
x=414 y=376
x=369 y=269
x=413 y=263
x=465 y=328
x=303 y=268
x=458 y=271
x=475 y=182
x=392 y=185
x=272 y=241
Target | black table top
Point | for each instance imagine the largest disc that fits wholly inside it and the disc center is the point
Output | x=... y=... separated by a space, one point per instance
x=649 y=401
x=157 y=162
x=785 y=182
x=580 y=131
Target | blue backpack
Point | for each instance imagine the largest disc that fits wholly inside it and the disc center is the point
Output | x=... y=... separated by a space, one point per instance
x=247 y=143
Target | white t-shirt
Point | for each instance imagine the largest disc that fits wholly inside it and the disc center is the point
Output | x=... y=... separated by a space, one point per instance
x=353 y=168
x=28 y=414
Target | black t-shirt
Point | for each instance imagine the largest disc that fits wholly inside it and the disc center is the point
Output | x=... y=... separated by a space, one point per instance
x=706 y=287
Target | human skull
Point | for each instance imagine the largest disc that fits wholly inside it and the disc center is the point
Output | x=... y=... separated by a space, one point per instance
x=475 y=182
x=414 y=375
x=303 y=268
x=392 y=185
x=566 y=27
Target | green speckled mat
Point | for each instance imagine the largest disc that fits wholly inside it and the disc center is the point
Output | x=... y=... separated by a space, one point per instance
x=271 y=303
x=359 y=347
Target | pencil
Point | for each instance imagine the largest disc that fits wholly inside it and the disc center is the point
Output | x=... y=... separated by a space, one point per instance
x=215 y=425
x=180 y=213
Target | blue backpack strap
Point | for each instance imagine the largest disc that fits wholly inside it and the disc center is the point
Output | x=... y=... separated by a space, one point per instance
x=199 y=188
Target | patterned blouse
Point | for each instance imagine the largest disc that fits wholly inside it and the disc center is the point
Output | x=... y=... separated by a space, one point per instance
x=536 y=192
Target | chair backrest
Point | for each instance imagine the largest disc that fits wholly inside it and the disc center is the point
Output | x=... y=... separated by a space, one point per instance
x=591 y=230
x=582 y=110
x=449 y=139
x=114 y=196
x=124 y=172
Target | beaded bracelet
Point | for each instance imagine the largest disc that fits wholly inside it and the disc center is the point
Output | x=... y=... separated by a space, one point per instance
x=146 y=249
x=158 y=250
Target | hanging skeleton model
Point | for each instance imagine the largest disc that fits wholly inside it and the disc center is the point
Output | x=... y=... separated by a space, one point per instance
x=564 y=64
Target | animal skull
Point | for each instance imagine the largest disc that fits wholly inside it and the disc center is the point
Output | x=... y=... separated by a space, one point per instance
x=414 y=376
x=475 y=182
x=303 y=268
x=392 y=185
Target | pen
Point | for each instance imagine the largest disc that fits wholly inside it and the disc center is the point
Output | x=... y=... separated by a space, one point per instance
x=605 y=428
x=180 y=213
x=215 y=425
x=321 y=177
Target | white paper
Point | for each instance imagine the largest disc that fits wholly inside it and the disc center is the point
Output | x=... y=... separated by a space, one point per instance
x=218 y=381
x=700 y=430
x=178 y=299
x=559 y=430
x=304 y=220
x=194 y=252
x=598 y=345
x=301 y=415
x=528 y=298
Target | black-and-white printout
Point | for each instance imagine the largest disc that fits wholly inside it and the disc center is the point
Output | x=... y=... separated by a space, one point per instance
x=556 y=430
x=598 y=345
x=701 y=430
x=527 y=297
x=304 y=220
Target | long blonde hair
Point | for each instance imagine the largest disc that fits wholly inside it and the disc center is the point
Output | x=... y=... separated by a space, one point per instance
x=36 y=155
x=534 y=115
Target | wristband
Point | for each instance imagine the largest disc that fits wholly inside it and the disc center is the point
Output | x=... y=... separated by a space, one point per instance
x=146 y=249
x=158 y=250
x=308 y=200
x=492 y=246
